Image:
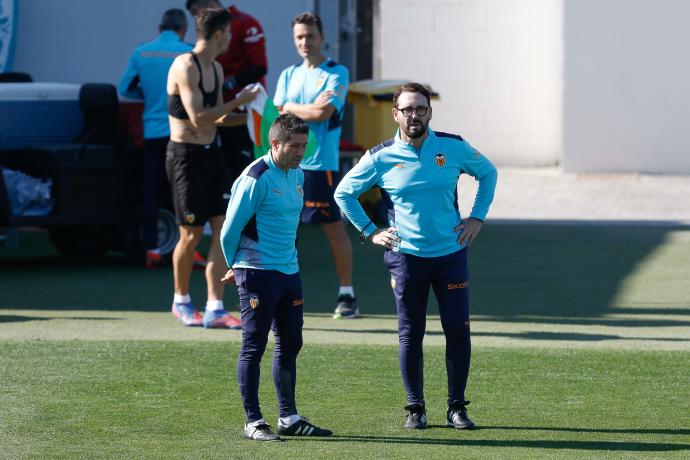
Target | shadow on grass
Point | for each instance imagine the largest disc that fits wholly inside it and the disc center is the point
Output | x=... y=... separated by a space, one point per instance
x=653 y=311
x=565 y=271
x=558 y=274
x=627 y=322
x=622 y=446
x=570 y=336
x=565 y=274
x=669 y=431
x=18 y=318
x=515 y=335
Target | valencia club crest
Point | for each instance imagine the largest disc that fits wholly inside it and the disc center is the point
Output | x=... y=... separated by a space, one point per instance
x=440 y=159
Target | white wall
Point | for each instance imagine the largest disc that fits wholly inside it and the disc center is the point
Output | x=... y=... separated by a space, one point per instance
x=594 y=85
x=497 y=65
x=78 y=41
x=627 y=86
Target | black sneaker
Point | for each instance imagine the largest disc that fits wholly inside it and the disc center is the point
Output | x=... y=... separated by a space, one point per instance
x=260 y=431
x=302 y=427
x=456 y=416
x=416 y=418
x=346 y=308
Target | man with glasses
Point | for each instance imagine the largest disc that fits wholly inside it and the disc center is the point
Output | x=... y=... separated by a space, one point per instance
x=427 y=240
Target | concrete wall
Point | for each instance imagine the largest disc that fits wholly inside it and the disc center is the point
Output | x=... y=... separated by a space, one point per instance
x=627 y=86
x=593 y=85
x=497 y=65
x=79 y=41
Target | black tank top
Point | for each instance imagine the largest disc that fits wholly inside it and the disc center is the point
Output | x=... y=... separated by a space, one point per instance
x=176 y=108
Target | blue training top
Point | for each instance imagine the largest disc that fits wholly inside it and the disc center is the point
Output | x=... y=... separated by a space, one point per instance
x=146 y=78
x=260 y=226
x=419 y=189
x=302 y=85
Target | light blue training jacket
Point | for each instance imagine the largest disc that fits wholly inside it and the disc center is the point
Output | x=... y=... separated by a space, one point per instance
x=146 y=77
x=303 y=85
x=260 y=226
x=419 y=189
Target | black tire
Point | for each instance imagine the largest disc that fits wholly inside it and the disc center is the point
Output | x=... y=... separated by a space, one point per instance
x=168 y=231
x=168 y=234
x=79 y=242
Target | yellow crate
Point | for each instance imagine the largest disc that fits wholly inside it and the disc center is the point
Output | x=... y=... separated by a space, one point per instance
x=372 y=102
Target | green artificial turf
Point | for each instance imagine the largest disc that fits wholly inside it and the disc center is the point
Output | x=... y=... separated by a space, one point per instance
x=516 y=270
x=581 y=349
x=137 y=399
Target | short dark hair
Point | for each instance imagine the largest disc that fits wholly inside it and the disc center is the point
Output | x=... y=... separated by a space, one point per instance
x=285 y=126
x=174 y=19
x=310 y=19
x=211 y=20
x=204 y=4
x=412 y=88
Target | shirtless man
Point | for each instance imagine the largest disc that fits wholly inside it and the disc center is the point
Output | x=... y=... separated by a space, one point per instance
x=195 y=164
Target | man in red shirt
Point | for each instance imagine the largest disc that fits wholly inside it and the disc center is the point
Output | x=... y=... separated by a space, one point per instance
x=244 y=62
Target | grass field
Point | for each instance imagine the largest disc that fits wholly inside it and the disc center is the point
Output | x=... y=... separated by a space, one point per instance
x=581 y=349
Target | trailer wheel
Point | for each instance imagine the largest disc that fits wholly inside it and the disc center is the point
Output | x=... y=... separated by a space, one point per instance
x=168 y=234
x=168 y=231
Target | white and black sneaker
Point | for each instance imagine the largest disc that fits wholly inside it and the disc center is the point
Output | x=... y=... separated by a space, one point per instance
x=416 y=417
x=259 y=431
x=346 y=307
x=302 y=427
x=456 y=416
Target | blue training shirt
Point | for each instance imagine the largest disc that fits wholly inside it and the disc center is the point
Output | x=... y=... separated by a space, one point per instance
x=302 y=85
x=260 y=226
x=419 y=189
x=146 y=78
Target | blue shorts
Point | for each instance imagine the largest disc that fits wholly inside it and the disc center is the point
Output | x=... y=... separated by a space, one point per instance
x=319 y=204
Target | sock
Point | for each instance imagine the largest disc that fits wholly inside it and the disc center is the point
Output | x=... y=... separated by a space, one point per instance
x=214 y=305
x=257 y=422
x=289 y=420
x=347 y=290
x=179 y=298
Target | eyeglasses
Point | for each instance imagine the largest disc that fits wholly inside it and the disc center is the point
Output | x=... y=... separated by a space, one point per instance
x=407 y=111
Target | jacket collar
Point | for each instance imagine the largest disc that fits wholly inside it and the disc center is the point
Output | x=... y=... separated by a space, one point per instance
x=428 y=141
x=169 y=36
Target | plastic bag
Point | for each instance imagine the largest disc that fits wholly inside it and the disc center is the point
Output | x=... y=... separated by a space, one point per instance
x=28 y=195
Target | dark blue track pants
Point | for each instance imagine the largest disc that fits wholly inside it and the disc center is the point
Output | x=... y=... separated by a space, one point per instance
x=269 y=300
x=411 y=278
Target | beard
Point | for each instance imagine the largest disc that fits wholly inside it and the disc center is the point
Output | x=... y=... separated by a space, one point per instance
x=419 y=130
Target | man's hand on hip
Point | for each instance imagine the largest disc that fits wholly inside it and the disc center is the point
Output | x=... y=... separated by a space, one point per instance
x=388 y=237
x=468 y=228
x=228 y=278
